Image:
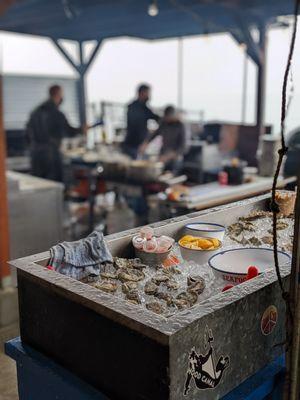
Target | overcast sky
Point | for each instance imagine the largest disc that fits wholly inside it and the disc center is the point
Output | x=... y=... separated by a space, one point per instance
x=213 y=71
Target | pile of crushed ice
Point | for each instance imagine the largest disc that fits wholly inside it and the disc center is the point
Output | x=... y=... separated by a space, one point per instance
x=256 y=236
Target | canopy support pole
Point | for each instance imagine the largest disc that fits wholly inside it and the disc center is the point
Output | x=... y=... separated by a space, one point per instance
x=180 y=74
x=261 y=80
x=4 y=220
x=81 y=67
x=245 y=87
x=81 y=86
x=256 y=50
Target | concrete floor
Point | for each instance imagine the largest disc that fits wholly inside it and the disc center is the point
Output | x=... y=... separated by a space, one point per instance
x=8 y=379
x=8 y=376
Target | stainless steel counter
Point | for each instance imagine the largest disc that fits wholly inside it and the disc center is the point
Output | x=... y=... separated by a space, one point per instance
x=35 y=213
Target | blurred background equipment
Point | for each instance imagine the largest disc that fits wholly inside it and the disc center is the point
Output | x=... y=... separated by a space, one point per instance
x=208 y=142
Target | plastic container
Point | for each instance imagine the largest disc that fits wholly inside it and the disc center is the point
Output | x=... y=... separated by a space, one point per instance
x=285 y=199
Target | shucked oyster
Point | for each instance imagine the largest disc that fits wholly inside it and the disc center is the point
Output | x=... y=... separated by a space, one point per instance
x=166 y=297
x=133 y=296
x=195 y=284
x=159 y=278
x=109 y=275
x=129 y=286
x=128 y=274
x=120 y=262
x=171 y=284
x=254 y=215
x=137 y=263
x=107 y=286
x=186 y=300
x=248 y=226
x=170 y=270
x=108 y=271
x=268 y=240
x=150 y=288
x=288 y=247
x=235 y=229
x=255 y=241
x=281 y=225
x=156 y=307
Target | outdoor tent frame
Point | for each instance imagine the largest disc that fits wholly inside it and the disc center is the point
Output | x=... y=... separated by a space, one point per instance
x=98 y=20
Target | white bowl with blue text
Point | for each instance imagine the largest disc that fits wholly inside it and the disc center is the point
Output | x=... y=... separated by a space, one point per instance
x=232 y=265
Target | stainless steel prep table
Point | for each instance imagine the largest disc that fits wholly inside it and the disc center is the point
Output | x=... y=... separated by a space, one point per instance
x=213 y=194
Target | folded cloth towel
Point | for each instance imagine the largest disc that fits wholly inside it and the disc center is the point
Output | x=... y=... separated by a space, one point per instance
x=82 y=258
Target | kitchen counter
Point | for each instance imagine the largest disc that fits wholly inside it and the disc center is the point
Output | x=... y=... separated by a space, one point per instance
x=213 y=194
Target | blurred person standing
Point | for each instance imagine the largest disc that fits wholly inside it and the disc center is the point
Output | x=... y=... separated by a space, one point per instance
x=292 y=163
x=138 y=114
x=174 y=140
x=46 y=128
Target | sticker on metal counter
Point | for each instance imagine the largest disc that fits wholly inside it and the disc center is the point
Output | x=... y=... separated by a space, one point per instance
x=269 y=320
x=203 y=368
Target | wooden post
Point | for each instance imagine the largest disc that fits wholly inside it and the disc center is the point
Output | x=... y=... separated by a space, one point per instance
x=293 y=327
x=4 y=231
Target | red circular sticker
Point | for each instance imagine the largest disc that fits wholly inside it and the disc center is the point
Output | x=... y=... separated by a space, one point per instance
x=269 y=320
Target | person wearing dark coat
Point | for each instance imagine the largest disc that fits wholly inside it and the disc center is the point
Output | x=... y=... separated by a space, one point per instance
x=138 y=115
x=174 y=140
x=292 y=163
x=46 y=128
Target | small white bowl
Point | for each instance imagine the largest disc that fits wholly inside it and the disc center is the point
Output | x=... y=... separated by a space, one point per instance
x=199 y=256
x=205 y=229
x=232 y=265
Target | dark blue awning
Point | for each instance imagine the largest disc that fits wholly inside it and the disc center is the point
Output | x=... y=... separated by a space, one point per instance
x=83 y=20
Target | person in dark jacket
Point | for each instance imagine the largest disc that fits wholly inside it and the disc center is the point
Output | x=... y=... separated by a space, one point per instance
x=292 y=163
x=174 y=140
x=138 y=114
x=45 y=129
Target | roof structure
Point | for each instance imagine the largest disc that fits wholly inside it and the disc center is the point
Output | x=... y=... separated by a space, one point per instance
x=83 y=20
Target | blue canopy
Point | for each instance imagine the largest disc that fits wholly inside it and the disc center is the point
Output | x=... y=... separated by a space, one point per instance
x=83 y=20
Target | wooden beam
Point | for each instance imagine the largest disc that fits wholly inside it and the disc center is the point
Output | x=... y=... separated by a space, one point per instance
x=4 y=222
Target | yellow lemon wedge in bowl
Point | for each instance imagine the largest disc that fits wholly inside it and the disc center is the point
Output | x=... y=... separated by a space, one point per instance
x=198 y=249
